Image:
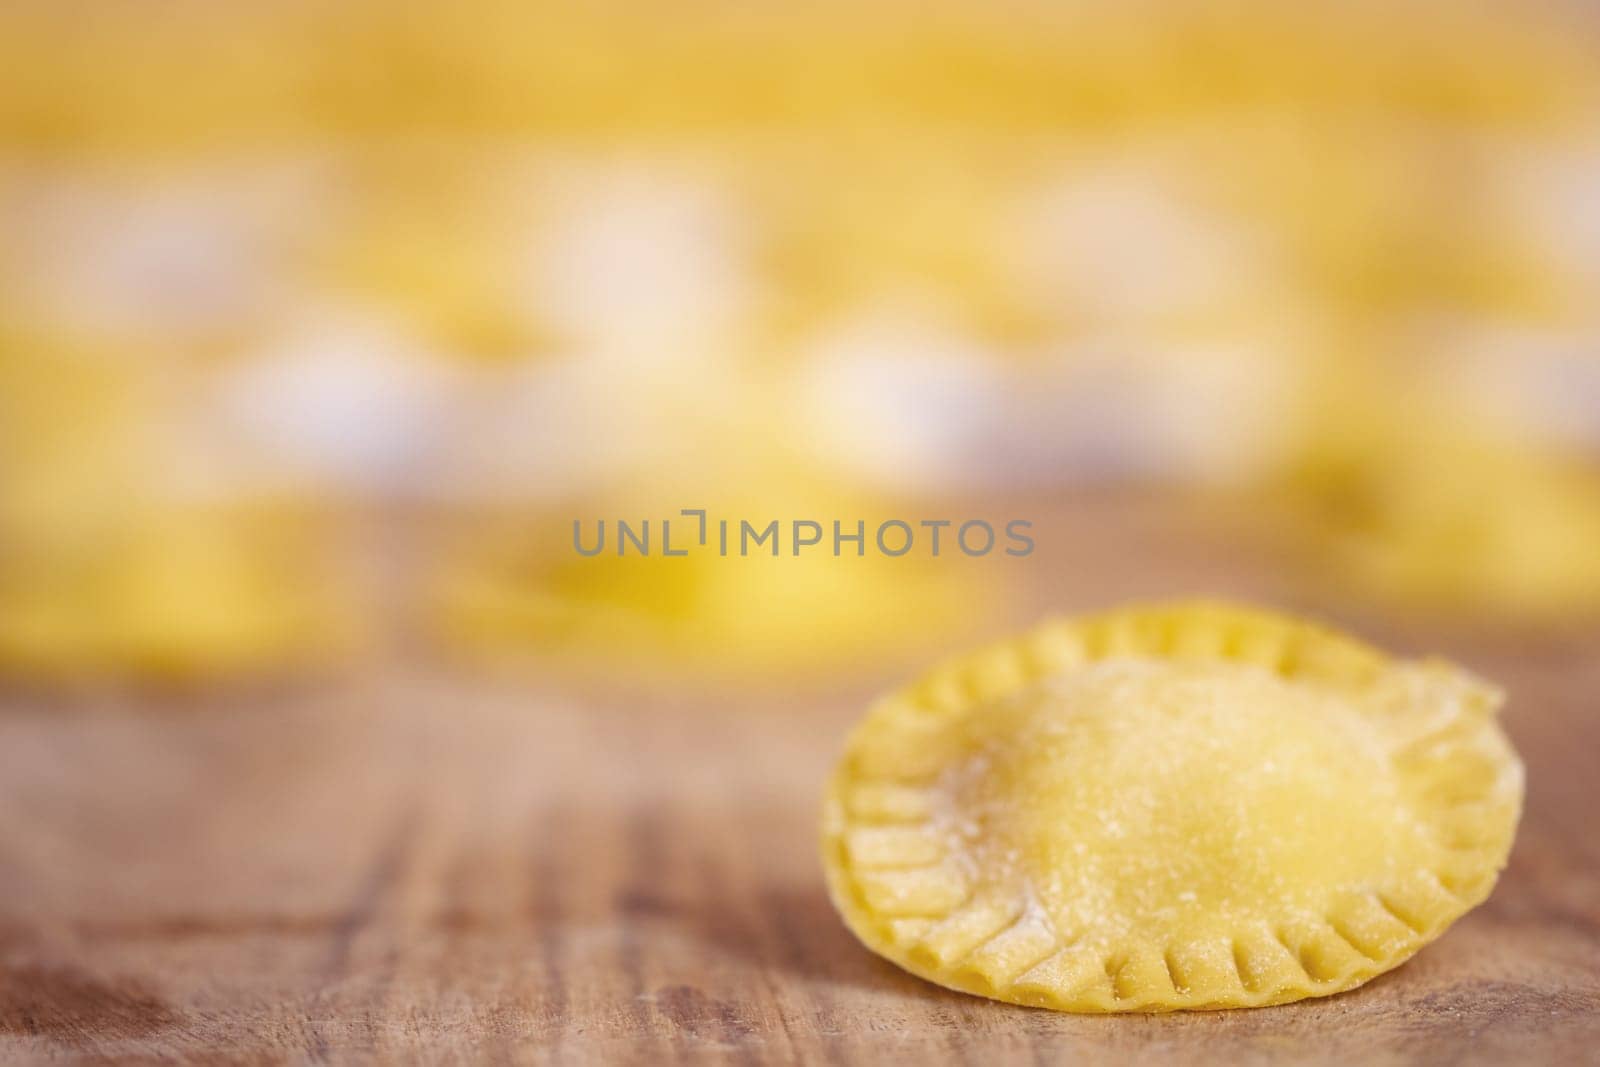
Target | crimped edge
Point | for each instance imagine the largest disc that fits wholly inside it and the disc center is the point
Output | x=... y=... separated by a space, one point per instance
x=986 y=946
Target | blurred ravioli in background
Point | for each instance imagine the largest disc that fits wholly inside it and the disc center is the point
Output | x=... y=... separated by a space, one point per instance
x=524 y=570
x=1424 y=504
x=482 y=267
x=131 y=555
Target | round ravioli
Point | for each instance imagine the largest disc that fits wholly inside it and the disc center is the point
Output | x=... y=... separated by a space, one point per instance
x=1191 y=806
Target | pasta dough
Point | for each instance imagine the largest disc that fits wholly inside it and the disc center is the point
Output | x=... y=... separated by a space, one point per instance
x=1194 y=806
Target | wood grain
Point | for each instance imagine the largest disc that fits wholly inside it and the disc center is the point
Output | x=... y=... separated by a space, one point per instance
x=424 y=865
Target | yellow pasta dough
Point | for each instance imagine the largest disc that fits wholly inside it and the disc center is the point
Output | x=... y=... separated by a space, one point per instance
x=704 y=615
x=176 y=593
x=1405 y=496
x=1181 y=807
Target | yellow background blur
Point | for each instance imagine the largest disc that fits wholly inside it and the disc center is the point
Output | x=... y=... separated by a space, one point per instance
x=320 y=325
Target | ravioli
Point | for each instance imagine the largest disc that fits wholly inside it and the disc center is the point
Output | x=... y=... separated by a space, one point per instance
x=705 y=615
x=179 y=593
x=1433 y=512
x=1179 y=807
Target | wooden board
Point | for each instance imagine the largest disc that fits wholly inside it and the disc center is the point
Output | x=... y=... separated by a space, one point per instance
x=419 y=865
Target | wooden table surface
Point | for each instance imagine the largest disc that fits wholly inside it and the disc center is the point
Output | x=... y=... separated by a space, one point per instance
x=417 y=864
